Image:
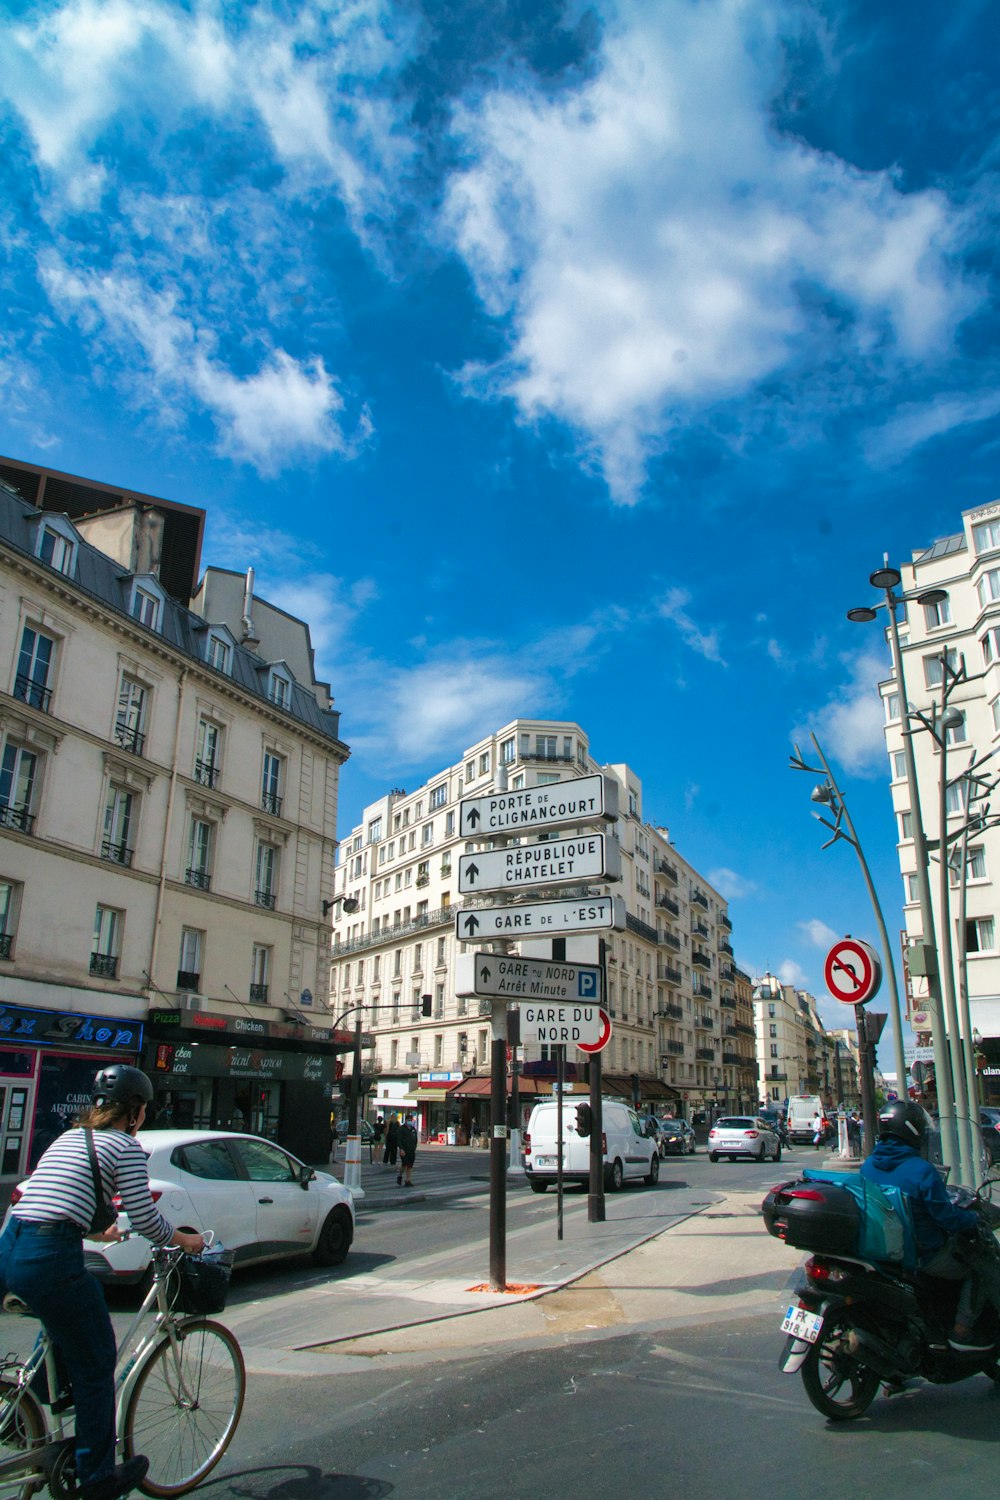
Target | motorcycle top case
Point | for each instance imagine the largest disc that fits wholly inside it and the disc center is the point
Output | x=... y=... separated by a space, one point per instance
x=813 y=1216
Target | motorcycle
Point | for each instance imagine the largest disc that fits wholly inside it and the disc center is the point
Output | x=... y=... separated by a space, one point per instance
x=859 y=1325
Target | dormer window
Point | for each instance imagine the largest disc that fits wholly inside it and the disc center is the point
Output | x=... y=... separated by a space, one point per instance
x=146 y=603
x=279 y=688
x=218 y=652
x=57 y=545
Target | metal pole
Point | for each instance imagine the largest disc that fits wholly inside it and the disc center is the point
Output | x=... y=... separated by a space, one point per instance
x=942 y=1063
x=516 y=1162
x=888 y=963
x=498 y=1147
x=595 y=1186
x=965 y=1013
x=352 y=1116
x=866 y=1067
x=966 y=1170
x=560 y=1086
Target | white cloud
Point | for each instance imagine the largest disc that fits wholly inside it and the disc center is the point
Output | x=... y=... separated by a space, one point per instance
x=789 y=972
x=704 y=642
x=916 y=423
x=731 y=885
x=850 y=726
x=818 y=933
x=649 y=236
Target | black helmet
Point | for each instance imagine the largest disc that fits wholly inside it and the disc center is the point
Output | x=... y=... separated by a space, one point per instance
x=120 y=1084
x=904 y=1120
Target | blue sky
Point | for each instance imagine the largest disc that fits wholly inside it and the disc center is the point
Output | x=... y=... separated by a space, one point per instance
x=549 y=358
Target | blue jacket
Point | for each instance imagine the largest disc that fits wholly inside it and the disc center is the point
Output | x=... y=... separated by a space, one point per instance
x=935 y=1217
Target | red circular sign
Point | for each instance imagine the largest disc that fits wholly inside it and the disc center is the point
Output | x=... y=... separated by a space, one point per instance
x=603 y=1039
x=852 y=970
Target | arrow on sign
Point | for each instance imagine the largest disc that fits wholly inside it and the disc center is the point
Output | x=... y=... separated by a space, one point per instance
x=473 y=818
x=471 y=924
x=484 y=974
x=471 y=872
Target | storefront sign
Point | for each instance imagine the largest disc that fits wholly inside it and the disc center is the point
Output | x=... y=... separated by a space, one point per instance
x=242 y=1026
x=49 y=1028
x=208 y=1061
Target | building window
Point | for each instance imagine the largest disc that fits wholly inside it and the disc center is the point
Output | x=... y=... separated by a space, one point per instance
x=975 y=865
x=470 y=770
x=439 y=795
x=427 y=835
x=545 y=778
x=34 y=669
x=440 y=951
x=910 y=886
x=507 y=751
x=891 y=707
x=906 y=825
x=484 y=763
x=130 y=715
x=189 y=959
x=772 y=1031
x=271 y=780
x=218 y=653
x=145 y=606
x=279 y=689
x=955 y=734
x=208 y=746
x=17 y=787
x=394 y=1055
x=199 y=864
x=995 y=711
x=986 y=536
x=10 y=893
x=106 y=945
x=955 y=797
x=937 y=614
x=988 y=587
x=266 y=876
x=990 y=643
x=56 y=549
x=934 y=667
x=898 y=766
x=260 y=975
x=374 y=830
x=423 y=872
x=979 y=935
x=118 y=816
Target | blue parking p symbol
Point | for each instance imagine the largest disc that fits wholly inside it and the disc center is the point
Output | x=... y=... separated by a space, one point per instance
x=587 y=986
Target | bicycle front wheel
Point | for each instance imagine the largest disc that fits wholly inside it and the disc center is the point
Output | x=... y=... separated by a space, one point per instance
x=185 y=1406
x=22 y=1426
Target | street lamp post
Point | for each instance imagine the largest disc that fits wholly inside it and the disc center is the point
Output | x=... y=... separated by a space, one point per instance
x=887 y=579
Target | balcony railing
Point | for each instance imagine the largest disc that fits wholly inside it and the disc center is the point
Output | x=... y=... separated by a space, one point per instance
x=264 y=898
x=677 y=1048
x=733 y=1057
x=35 y=693
x=727 y=1002
x=6 y=944
x=669 y=904
x=188 y=981
x=565 y=760
x=671 y=1012
x=670 y=974
x=271 y=803
x=700 y=899
x=726 y=947
x=206 y=773
x=672 y=941
x=121 y=854
x=105 y=965
x=705 y=1054
x=258 y=994
x=664 y=867
x=16 y=817
x=698 y=926
x=422 y=880
x=724 y=920
x=704 y=1023
x=641 y=929
x=703 y=989
x=438 y=918
x=130 y=738
x=200 y=878
x=699 y=956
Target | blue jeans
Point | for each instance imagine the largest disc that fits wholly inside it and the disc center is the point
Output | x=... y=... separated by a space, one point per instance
x=46 y=1271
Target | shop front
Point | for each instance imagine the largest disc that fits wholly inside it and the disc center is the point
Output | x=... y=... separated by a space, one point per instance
x=48 y=1060
x=431 y=1099
x=471 y=1101
x=268 y=1078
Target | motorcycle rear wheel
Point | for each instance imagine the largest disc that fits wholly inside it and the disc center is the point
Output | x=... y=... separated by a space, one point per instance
x=836 y=1382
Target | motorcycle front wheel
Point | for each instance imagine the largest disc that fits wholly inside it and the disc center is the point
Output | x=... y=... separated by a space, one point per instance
x=836 y=1381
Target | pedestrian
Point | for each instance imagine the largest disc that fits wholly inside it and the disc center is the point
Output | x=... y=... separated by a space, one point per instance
x=817 y=1128
x=391 y=1142
x=379 y=1130
x=407 y=1153
x=854 y=1133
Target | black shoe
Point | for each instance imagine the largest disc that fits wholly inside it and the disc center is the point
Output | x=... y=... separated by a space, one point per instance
x=971 y=1343
x=399 y=1181
x=63 y=1402
x=123 y=1478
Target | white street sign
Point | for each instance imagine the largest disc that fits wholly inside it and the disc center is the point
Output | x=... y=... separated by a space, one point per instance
x=505 y=976
x=562 y=1025
x=479 y=924
x=581 y=800
x=556 y=862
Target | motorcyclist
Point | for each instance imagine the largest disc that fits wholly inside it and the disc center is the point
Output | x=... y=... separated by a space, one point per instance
x=939 y=1225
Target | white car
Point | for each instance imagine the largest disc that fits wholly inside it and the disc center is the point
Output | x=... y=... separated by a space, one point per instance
x=743 y=1135
x=262 y=1202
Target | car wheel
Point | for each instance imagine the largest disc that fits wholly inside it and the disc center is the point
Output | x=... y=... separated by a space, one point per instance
x=334 y=1238
x=614 y=1176
x=713 y=1156
x=777 y=1152
x=538 y=1187
x=762 y=1153
x=653 y=1175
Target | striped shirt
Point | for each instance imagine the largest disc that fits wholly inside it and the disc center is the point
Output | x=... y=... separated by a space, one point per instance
x=62 y=1185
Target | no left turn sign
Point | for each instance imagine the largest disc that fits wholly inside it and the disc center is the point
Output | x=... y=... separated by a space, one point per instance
x=852 y=971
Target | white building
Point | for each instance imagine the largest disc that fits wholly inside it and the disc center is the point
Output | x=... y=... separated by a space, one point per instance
x=678 y=1040
x=965 y=624
x=168 y=803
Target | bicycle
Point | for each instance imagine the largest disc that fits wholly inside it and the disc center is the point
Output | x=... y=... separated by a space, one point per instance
x=179 y=1386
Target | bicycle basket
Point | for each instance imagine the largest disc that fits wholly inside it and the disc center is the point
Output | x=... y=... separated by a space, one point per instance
x=202 y=1281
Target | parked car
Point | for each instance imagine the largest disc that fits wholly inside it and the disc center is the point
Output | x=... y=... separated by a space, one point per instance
x=365 y=1131
x=262 y=1202
x=629 y=1152
x=675 y=1137
x=989 y=1120
x=743 y=1135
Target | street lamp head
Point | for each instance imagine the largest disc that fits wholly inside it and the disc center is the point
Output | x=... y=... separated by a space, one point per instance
x=862 y=615
x=822 y=793
x=885 y=578
x=932 y=596
x=952 y=718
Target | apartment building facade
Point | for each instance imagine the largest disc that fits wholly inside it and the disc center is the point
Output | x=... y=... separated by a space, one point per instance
x=670 y=973
x=795 y=1053
x=168 y=804
x=958 y=632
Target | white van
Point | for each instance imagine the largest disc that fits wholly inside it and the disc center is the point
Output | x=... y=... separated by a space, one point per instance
x=628 y=1151
x=802 y=1110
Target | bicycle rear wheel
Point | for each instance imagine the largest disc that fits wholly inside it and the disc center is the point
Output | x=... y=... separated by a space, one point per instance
x=22 y=1425
x=185 y=1406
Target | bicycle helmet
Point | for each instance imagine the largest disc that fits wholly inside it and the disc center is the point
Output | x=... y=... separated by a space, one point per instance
x=904 y=1120
x=120 y=1084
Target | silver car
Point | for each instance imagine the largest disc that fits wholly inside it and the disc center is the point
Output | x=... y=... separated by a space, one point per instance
x=743 y=1135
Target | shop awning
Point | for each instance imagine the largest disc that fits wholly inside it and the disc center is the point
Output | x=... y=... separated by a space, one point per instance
x=481 y=1088
x=435 y=1092
x=619 y=1086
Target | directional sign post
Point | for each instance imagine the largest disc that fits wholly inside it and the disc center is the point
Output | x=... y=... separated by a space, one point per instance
x=482 y=924
x=583 y=799
x=589 y=856
x=504 y=976
x=563 y=1025
x=852 y=970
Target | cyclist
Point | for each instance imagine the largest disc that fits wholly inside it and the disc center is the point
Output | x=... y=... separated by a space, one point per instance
x=41 y=1260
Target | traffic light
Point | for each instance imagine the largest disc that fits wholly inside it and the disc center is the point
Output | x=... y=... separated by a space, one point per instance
x=584 y=1119
x=425 y=1005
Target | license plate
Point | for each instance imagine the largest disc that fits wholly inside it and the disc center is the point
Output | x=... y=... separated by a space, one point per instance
x=546 y=1161
x=802 y=1324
